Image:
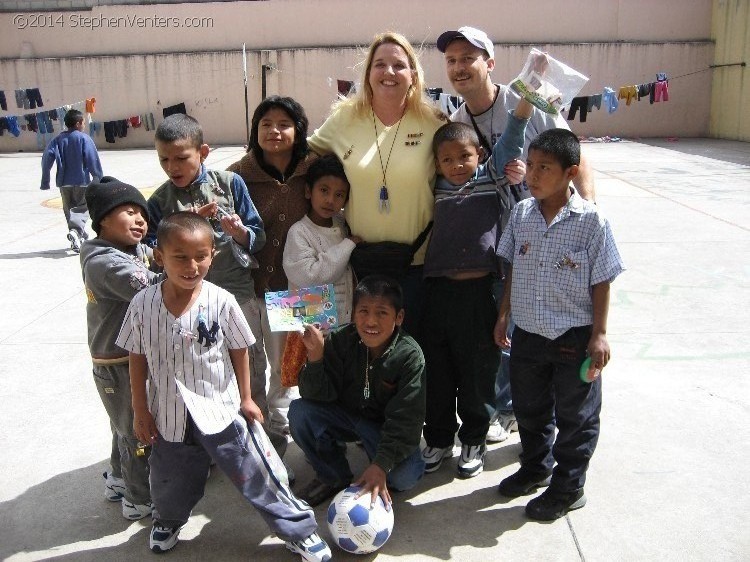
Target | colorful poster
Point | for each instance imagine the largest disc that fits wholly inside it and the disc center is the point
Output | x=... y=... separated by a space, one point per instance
x=289 y=310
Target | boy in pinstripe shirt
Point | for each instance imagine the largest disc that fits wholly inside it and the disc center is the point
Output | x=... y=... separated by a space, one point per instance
x=190 y=340
x=563 y=258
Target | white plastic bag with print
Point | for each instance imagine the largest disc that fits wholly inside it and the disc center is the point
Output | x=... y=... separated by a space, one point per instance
x=547 y=83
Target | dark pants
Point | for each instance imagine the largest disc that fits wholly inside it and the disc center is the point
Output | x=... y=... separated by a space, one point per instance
x=547 y=392
x=461 y=359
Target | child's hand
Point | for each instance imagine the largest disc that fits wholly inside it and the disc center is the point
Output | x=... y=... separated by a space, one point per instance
x=355 y=239
x=232 y=225
x=373 y=481
x=144 y=427
x=250 y=410
x=206 y=211
x=500 y=333
x=598 y=349
x=313 y=340
x=515 y=171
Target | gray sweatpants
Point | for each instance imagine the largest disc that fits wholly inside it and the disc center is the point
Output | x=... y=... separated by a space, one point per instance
x=74 y=208
x=113 y=384
x=244 y=453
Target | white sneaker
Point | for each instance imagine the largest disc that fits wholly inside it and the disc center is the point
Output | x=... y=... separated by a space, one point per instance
x=134 y=511
x=75 y=241
x=312 y=549
x=163 y=539
x=471 y=462
x=114 y=488
x=508 y=421
x=433 y=457
x=496 y=432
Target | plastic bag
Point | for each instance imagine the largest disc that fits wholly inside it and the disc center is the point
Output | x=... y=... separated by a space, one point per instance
x=547 y=83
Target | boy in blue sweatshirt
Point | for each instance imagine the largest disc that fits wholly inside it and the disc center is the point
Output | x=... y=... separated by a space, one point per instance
x=77 y=161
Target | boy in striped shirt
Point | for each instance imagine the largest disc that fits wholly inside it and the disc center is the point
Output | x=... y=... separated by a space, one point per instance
x=189 y=339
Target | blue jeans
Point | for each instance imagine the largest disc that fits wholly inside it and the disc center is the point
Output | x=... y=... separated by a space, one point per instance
x=318 y=428
x=503 y=398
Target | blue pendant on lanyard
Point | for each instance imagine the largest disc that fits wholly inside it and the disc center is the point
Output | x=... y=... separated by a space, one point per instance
x=385 y=204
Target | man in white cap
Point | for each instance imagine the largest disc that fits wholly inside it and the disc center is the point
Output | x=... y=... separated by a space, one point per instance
x=469 y=60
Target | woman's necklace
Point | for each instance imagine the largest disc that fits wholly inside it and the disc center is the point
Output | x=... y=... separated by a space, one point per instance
x=384 y=204
x=366 y=391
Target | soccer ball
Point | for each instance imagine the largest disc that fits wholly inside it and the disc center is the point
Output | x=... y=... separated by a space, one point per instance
x=354 y=526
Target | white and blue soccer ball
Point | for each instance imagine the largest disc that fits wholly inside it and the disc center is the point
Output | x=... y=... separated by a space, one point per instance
x=354 y=526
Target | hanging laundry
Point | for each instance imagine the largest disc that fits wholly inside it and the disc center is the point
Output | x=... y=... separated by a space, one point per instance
x=95 y=128
x=627 y=93
x=579 y=104
x=22 y=100
x=121 y=128
x=148 y=121
x=609 y=99
x=643 y=90
x=135 y=121
x=3 y=101
x=595 y=101
x=109 y=131
x=44 y=123
x=172 y=109
x=12 y=121
x=31 y=123
x=345 y=87
x=35 y=98
x=661 y=87
x=90 y=105
x=61 y=115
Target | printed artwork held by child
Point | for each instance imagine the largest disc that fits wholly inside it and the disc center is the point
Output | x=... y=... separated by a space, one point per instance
x=289 y=310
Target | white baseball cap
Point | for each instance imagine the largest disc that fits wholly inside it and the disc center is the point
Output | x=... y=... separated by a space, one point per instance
x=474 y=36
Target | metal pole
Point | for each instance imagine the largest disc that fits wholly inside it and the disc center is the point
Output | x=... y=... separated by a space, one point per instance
x=263 y=68
x=247 y=108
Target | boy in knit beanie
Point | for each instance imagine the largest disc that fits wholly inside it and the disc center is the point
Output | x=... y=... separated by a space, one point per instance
x=115 y=267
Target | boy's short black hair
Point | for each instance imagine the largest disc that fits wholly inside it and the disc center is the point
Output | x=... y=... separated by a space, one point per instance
x=454 y=131
x=295 y=112
x=180 y=126
x=182 y=220
x=328 y=165
x=380 y=286
x=561 y=144
x=72 y=118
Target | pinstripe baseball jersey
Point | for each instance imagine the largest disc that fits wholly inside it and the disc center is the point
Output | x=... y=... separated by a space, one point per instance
x=555 y=266
x=187 y=370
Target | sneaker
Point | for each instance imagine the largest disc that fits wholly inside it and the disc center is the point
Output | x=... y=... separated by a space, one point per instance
x=522 y=483
x=552 y=505
x=496 y=432
x=471 y=462
x=134 y=511
x=163 y=539
x=433 y=457
x=75 y=241
x=316 y=492
x=114 y=488
x=312 y=549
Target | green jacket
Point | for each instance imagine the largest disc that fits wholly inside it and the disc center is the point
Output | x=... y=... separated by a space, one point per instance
x=397 y=388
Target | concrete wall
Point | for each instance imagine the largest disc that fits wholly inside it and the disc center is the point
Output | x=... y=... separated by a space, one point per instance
x=730 y=112
x=142 y=62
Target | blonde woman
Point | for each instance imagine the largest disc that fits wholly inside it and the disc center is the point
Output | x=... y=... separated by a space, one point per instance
x=383 y=136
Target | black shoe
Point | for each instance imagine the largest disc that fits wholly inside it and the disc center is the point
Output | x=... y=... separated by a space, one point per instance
x=552 y=505
x=316 y=492
x=522 y=483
